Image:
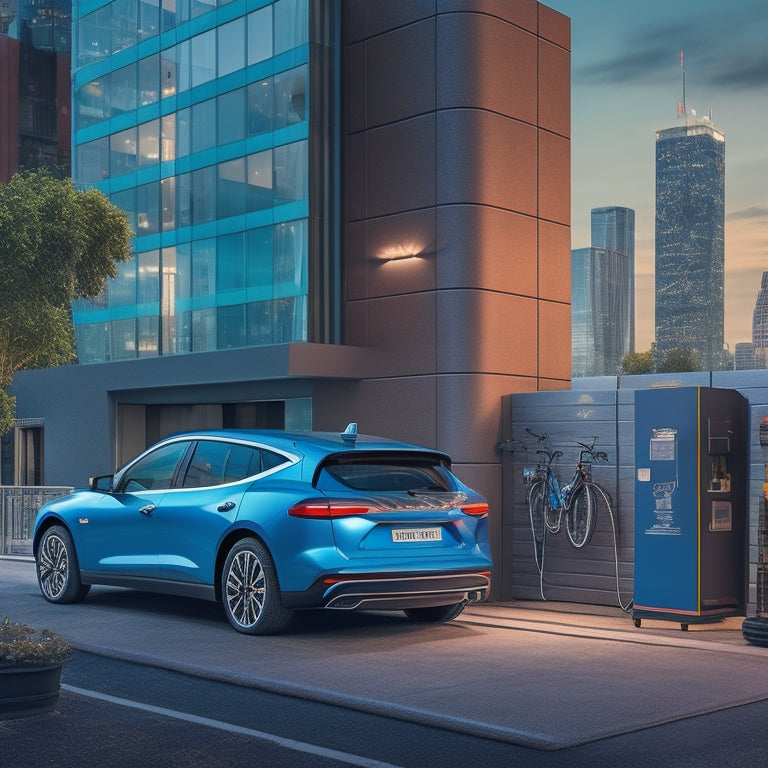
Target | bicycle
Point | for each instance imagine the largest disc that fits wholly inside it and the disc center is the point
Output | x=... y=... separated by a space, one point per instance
x=575 y=503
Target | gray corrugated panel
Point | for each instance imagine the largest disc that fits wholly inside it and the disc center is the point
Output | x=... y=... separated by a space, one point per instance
x=653 y=380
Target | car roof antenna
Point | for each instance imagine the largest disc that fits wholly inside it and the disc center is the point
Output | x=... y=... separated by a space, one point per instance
x=349 y=435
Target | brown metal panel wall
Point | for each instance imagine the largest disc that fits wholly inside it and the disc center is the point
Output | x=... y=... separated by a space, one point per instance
x=9 y=108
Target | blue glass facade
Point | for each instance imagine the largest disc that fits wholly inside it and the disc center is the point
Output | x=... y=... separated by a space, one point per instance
x=690 y=253
x=613 y=228
x=599 y=311
x=196 y=121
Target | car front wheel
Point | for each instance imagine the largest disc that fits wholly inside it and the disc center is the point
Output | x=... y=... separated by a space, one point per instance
x=435 y=613
x=58 y=573
x=250 y=590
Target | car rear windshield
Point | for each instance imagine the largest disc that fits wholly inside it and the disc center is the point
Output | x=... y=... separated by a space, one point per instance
x=379 y=473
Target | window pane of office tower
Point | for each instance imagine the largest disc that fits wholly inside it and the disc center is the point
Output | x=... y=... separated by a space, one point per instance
x=148 y=332
x=149 y=276
x=168 y=138
x=259 y=264
x=168 y=13
x=168 y=202
x=183 y=67
x=290 y=258
x=259 y=181
x=122 y=339
x=203 y=199
x=231 y=113
x=203 y=329
x=148 y=209
x=168 y=72
x=183 y=132
x=231 y=191
x=184 y=200
x=230 y=264
x=92 y=342
x=123 y=24
x=149 y=80
x=93 y=161
x=290 y=97
x=260 y=35
x=258 y=319
x=230 y=328
x=123 y=92
x=199 y=7
x=183 y=275
x=291 y=172
x=204 y=125
x=122 y=289
x=203 y=57
x=126 y=202
x=204 y=268
x=149 y=19
x=231 y=46
x=92 y=102
x=94 y=40
x=122 y=152
x=289 y=316
x=260 y=107
x=291 y=24
x=149 y=143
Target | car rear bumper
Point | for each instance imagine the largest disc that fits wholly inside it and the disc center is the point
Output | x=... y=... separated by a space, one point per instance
x=392 y=593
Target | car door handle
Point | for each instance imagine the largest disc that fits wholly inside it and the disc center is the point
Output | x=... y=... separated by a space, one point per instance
x=226 y=506
x=147 y=509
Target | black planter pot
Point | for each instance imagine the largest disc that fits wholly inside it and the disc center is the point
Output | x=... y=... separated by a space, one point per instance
x=29 y=690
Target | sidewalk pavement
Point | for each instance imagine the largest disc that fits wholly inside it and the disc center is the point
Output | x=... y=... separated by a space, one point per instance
x=543 y=675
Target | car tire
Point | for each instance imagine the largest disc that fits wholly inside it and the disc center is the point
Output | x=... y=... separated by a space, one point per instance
x=435 y=613
x=58 y=572
x=250 y=590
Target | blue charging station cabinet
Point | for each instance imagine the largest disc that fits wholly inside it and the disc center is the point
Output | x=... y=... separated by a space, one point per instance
x=691 y=457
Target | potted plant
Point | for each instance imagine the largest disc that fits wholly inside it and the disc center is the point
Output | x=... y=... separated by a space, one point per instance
x=30 y=669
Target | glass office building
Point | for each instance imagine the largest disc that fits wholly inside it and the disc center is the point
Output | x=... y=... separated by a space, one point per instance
x=613 y=228
x=209 y=126
x=690 y=253
x=600 y=324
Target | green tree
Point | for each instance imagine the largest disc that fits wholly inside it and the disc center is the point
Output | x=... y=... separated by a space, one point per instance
x=636 y=363
x=57 y=244
x=679 y=360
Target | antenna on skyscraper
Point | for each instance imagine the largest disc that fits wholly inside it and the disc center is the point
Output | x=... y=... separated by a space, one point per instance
x=681 y=108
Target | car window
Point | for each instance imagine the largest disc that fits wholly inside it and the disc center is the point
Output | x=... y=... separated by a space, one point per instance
x=384 y=474
x=154 y=471
x=215 y=462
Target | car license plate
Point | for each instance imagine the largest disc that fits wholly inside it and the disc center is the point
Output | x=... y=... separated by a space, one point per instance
x=417 y=534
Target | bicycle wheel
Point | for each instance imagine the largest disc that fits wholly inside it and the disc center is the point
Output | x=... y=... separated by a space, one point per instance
x=581 y=516
x=537 y=503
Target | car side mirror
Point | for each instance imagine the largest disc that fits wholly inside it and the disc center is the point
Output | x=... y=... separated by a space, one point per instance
x=101 y=483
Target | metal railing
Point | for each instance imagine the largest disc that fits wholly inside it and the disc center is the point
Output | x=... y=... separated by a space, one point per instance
x=18 y=507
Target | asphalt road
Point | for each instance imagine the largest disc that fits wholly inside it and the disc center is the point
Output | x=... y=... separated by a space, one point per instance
x=167 y=682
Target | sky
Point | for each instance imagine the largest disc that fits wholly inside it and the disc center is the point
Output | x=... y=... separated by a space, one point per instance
x=626 y=82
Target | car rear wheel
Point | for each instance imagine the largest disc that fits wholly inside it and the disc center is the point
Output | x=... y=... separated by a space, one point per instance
x=58 y=573
x=435 y=613
x=250 y=590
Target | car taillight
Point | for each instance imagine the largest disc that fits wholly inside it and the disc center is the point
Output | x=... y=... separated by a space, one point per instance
x=477 y=509
x=327 y=508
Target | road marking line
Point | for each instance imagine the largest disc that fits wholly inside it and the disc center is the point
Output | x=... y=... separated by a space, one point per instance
x=298 y=746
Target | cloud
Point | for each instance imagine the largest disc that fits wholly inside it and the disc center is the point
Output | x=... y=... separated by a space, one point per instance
x=753 y=212
x=724 y=47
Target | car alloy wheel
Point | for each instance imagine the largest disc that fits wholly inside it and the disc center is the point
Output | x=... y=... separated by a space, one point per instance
x=57 y=571
x=250 y=590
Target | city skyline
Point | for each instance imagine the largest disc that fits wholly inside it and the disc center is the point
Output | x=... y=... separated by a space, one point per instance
x=626 y=85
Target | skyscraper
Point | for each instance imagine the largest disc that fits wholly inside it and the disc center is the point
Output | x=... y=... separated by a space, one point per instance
x=760 y=325
x=600 y=315
x=690 y=218
x=613 y=228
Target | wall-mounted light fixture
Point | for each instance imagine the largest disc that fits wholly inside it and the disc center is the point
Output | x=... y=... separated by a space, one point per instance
x=399 y=253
